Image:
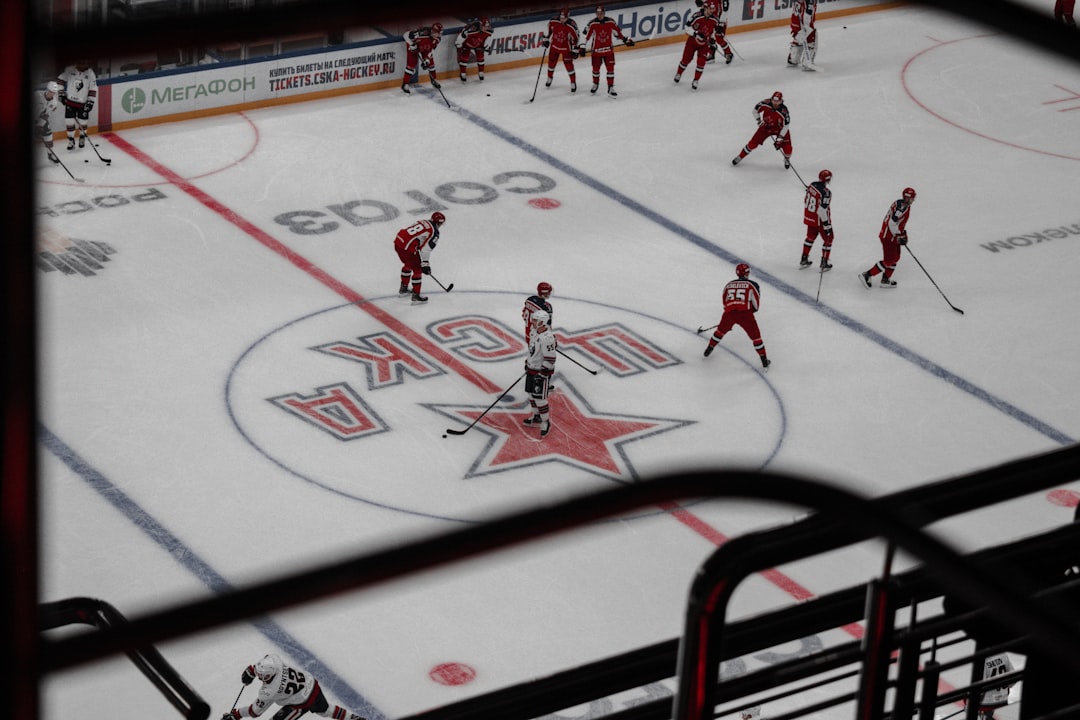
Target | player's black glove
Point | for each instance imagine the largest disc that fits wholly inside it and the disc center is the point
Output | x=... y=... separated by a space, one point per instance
x=248 y=675
x=233 y=714
x=62 y=96
x=426 y=269
x=902 y=238
x=88 y=105
x=546 y=43
x=826 y=229
x=581 y=51
x=629 y=42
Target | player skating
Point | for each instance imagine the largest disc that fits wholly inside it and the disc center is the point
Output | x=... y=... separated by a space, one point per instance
x=296 y=691
x=561 y=41
x=817 y=216
x=703 y=29
x=773 y=120
x=600 y=35
x=892 y=236
x=539 y=367
x=414 y=245
x=742 y=298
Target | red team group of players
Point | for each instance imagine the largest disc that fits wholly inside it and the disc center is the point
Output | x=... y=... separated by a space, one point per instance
x=706 y=31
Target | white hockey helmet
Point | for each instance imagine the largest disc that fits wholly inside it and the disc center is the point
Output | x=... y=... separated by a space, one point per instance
x=539 y=317
x=53 y=87
x=268 y=668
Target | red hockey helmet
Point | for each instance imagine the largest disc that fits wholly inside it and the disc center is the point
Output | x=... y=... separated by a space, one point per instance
x=599 y=10
x=438 y=218
x=742 y=270
x=564 y=12
x=544 y=290
x=778 y=96
x=710 y=6
x=909 y=194
x=436 y=28
x=485 y=22
x=825 y=176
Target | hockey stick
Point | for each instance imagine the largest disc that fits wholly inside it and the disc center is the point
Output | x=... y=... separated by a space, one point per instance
x=932 y=281
x=61 y=164
x=447 y=288
x=593 y=372
x=451 y=431
x=821 y=275
x=543 y=57
x=795 y=171
x=238 y=696
x=93 y=145
x=703 y=329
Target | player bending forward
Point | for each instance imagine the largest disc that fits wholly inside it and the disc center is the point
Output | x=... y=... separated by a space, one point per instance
x=539 y=367
x=742 y=298
x=413 y=245
x=297 y=692
x=773 y=120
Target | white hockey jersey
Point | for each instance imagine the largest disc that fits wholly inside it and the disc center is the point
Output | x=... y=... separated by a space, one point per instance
x=78 y=85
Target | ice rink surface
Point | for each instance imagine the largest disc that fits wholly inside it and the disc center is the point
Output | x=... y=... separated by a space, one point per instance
x=233 y=389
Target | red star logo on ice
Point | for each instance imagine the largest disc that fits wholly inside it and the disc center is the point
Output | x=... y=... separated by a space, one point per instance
x=579 y=436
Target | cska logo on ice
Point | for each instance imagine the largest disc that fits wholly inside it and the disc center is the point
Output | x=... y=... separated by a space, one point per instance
x=356 y=399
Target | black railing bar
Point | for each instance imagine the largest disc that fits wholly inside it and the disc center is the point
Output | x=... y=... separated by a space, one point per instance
x=657 y=662
x=733 y=562
x=148 y=660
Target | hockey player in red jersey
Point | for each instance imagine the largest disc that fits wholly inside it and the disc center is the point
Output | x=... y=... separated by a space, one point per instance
x=803 y=33
x=773 y=120
x=539 y=367
x=473 y=42
x=817 y=216
x=537 y=303
x=561 y=41
x=742 y=298
x=703 y=29
x=601 y=32
x=420 y=47
x=296 y=691
x=893 y=234
x=414 y=245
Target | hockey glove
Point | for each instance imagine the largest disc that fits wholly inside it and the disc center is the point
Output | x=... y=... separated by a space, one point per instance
x=546 y=43
x=902 y=238
x=581 y=51
x=233 y=714
x=426 y=269
x=62 y=96
x=629 y=42
x=88 y=106
x=248 y=675
x=826 y=229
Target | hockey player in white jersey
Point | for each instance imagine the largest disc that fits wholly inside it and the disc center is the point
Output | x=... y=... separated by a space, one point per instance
x=539 y=367
x=297 y=692
x=78 y=93
x=48 y=102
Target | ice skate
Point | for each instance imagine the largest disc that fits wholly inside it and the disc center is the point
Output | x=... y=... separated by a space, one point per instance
x=418 y=299
x=545 y=427
x=765 y=363
x=82 y=141
x=71 y=144
x=826 y=266
x=405 y=88
x=708 y=350
x=678 y=77
x=403 y=290
x=464 y=77
x=595 y=87
x=548 y=83
x=693 y=85
x=864 y=278
x=52 y=156
x=736 y=160
x=887 y=283
x=534 y=420
x=805 y=263
x=611 y=91
x=573 y=87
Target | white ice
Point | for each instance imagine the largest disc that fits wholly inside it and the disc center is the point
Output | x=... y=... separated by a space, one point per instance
x=169 y=474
